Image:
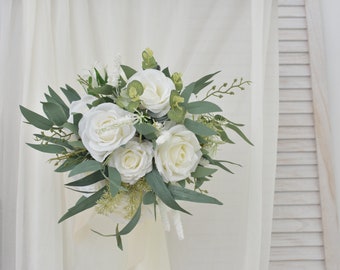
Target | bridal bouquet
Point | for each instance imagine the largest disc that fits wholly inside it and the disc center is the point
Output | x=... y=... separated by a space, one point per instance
x=135 y=138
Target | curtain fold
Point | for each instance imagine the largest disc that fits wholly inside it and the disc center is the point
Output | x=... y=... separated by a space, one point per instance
x=50 y=42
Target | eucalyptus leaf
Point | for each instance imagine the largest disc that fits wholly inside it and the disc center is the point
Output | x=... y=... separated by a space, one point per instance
x=69 y=164
x=83 y=205
x=198 y=128
x=119 y=239
x=239 y=132
x=55 y=113
x=202 y=172
x=36 y=119
x=86 y=166
x=217 y=163
x=186 y=93
x=76 y=144
x=70 y=93
x=72 y=127
x=99 y=78
x=155 y=180
x=132 y=223
x=102 y=90
x=166 y=72
x=53 y=140
x=203 y=82
x=128 y=227
x=48 y=148
x=115 y=181
x=87 y=180
x=149 y=198
x=145 y=128
x=58 y=100
x=177 y=115
x=180 y=193
x=201 y=107
x=128 y=71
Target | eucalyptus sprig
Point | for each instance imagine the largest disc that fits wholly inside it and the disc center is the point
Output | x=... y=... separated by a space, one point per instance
x=226 y=89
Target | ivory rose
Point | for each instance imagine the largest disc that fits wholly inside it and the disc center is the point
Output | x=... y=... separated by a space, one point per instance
x=157 y=90
x=133 y=160
x=177 y=153
x=104 y=128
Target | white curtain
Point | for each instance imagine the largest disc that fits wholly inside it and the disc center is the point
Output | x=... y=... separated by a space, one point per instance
x=48 y=42
x=330 y=22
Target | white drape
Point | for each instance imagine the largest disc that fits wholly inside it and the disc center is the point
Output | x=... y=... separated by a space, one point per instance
x=331 y=20
x=49 y=42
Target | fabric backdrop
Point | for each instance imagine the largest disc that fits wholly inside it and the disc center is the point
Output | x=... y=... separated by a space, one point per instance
x=48 y=42
x=330 y=21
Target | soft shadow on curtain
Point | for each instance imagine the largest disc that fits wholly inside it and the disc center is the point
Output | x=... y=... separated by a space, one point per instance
x=49 y=42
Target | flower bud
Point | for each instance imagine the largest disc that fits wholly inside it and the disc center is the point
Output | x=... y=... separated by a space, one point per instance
x=148 y=59
x=177 y=79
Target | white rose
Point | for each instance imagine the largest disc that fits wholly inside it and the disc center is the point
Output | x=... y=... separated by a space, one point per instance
x=157 y=90
x=104 y=128
x=80 y=106
x=177 y=153
x=132 y=160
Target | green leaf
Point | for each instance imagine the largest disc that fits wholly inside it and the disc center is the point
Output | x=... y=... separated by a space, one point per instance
x=203 y=82
x=119 y=239
x=58 y=100
x=121 y=82
x=222 y=119
x=166 y=72
x=128 y=228
x=36 y=119
x=48 y=148
x=69 y=164
x=70 y=93
x=186 y=93
x=101 y=100
x=55 y=113
x=217 y=163
x=77 y=144
x=198 y=128
x=199 y=182
x=133 y=222
x=148 y=60
x=54 y=140
x=200 y=107
x=87 y=180
x=202 y=172
x=177 y=115
x=99 y=78
x=86 y=166
x=155 y=180
x=149 y=198
x=72 y=127
x=102 y=90
x=239 y=132
x=83 y=205
x=146 y=130
x=128 y=71
x=224 y=137
x=115 y=181
x=180 y=193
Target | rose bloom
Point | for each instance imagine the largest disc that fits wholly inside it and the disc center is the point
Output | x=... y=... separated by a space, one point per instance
x=133 y=160
x=80 y=106
x=157 y=90
x=177 y=153
x=104 y=128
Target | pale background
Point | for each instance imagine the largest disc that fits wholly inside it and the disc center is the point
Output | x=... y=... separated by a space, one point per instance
x=48 y=42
